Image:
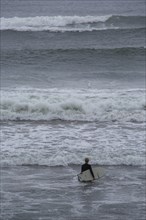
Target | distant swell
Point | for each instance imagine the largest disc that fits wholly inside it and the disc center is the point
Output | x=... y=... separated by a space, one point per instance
x=72 y=23
x=37 y=54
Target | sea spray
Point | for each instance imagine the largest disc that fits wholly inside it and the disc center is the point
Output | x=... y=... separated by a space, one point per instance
x=73 y=105
x=71 y=23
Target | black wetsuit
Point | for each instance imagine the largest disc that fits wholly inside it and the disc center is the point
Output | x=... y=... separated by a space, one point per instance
x=85 y=167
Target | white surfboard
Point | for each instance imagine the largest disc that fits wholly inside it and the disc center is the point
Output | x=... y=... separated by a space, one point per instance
x=86 y=176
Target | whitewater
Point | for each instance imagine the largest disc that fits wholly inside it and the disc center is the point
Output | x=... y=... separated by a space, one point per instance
x=73 y=123
x=72 y=86
x=71 y=23
x=73 y=105
x=63 y=143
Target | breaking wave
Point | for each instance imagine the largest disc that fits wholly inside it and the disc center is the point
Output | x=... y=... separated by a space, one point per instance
x=72 y=23
x=73 y=105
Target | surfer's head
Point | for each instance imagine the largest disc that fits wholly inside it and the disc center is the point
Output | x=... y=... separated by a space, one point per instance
x=86 y=160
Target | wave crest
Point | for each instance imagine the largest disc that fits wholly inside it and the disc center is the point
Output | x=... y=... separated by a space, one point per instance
x=72 y=105
x=71 y=23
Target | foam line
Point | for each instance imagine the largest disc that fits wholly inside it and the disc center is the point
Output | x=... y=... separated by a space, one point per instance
x=71 y=23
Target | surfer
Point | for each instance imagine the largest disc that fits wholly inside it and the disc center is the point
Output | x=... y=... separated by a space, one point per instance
x=87 y=166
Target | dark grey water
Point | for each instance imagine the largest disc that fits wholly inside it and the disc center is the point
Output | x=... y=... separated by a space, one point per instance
x=63 y=7
x=72 y=85
x=55 y=193
x=50 y=44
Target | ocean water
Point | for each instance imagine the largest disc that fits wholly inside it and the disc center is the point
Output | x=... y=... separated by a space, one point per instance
x=72 y=86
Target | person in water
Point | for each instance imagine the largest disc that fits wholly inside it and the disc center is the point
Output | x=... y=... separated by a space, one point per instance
x=87 y=166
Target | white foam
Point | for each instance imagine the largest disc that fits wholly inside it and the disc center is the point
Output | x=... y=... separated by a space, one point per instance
x=71 y=105
x=65 y=144
x=107 y=143
x=52 y=23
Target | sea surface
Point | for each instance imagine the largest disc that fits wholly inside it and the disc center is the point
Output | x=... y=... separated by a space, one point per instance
x=72 y=86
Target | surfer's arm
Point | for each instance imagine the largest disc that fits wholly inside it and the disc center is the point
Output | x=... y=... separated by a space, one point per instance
x=81 y=168
x=92 y=172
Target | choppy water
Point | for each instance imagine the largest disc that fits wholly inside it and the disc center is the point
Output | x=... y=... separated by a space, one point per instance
x=54 y=193
x=72 y=85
